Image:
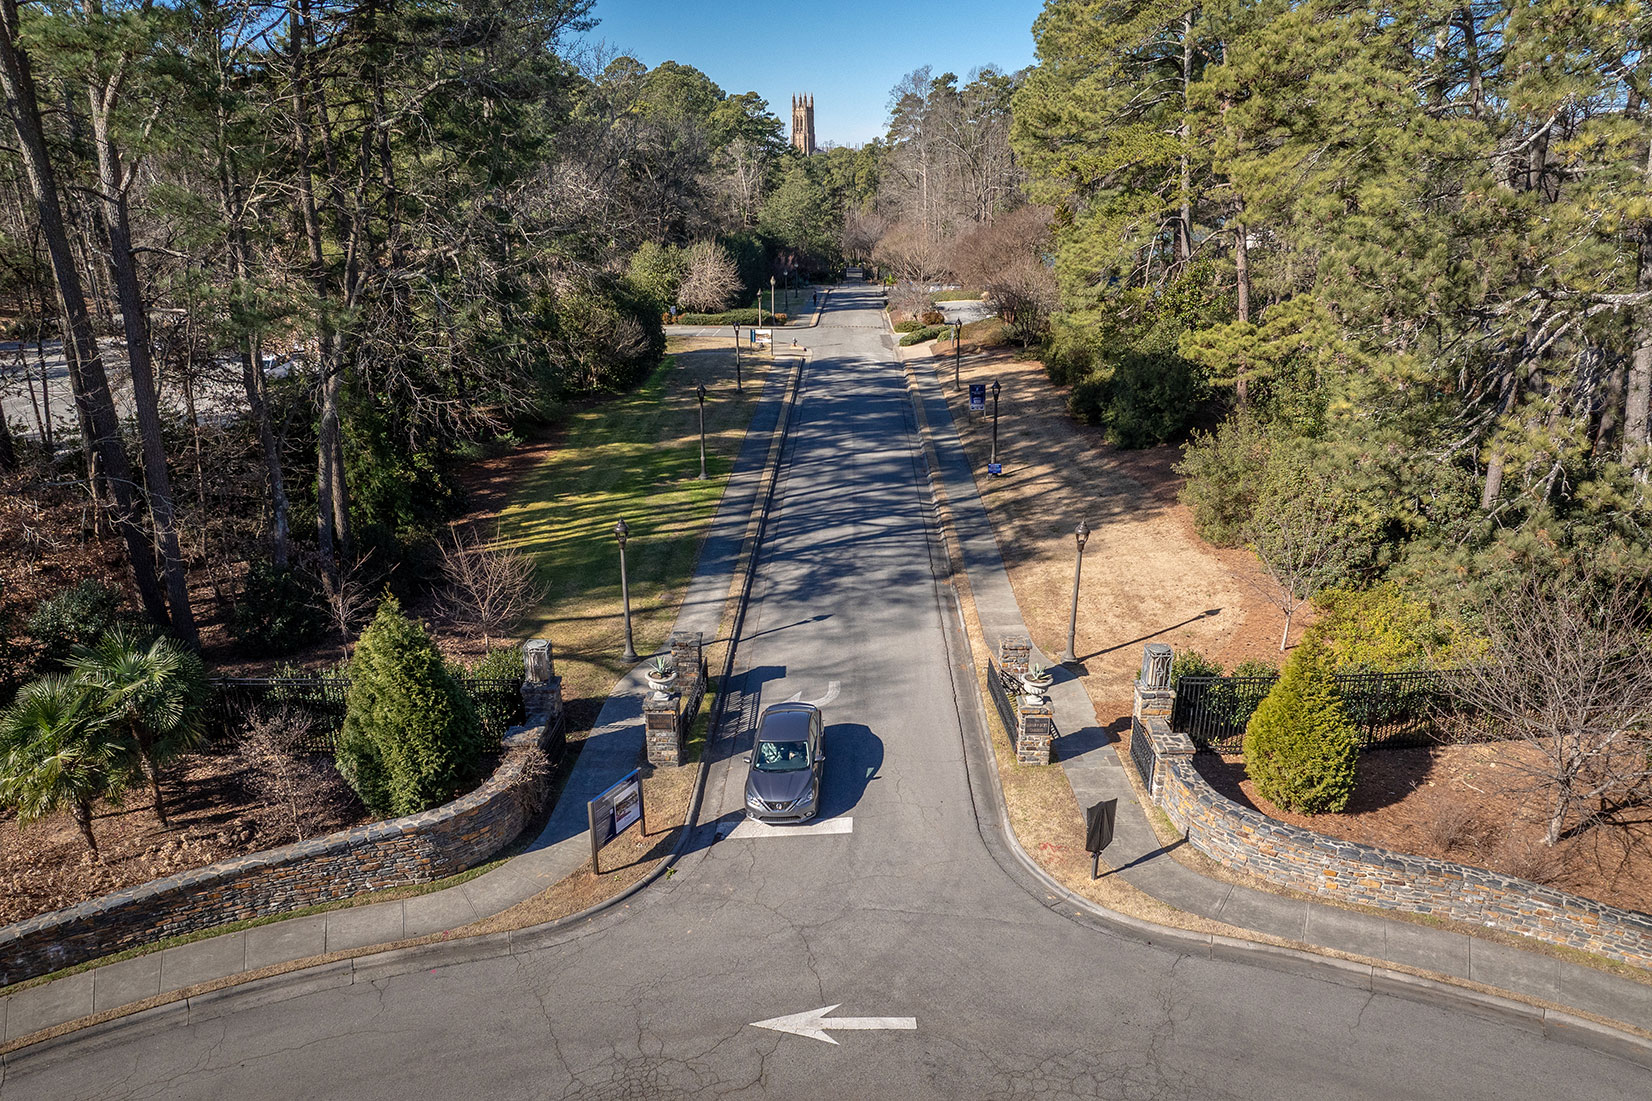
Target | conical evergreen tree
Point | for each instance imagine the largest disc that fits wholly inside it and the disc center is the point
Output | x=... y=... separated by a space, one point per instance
x=411 y=739
x=1300 y=749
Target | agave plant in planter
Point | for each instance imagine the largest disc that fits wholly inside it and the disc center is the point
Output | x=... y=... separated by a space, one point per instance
x=660 y=673
x=1036 y=680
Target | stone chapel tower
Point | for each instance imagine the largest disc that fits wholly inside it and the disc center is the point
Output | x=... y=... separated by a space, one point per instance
x=803 y=124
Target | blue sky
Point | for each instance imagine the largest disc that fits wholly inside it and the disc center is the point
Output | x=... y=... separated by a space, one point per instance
x=849 y=54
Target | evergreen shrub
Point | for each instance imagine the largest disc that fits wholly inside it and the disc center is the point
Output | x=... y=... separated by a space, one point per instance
x=411 y=739
x=744 y=316
x=919 y=336
x=501 y=663
x=1087 y=401
x=908 y=326
x=1224 y=472
x=1191 y=663
x=73 y=619
x=1153 y=398
x=1381 y=630
x=1300 y=749
x=279 y=610
x=1071 y=353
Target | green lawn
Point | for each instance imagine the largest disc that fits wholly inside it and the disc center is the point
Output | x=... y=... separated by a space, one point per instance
x=635 y=456
x=792 y=303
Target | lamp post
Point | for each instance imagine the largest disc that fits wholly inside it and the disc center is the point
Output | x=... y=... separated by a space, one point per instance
x=738 y=389
x=700 y=392
x=620 y=532
x=995 y=389
x=1080 y=533
x=957 y=330
x=771 y=296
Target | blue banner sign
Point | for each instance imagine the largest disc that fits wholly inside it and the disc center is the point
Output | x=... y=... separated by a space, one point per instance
x=977 y=397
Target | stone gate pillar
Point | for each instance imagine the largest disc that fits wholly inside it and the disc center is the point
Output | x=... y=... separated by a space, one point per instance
x=1015 y=654
x=663 y=728
x=541 y=687
x=686 y=660
x=1154 y=695
x=1034 y=730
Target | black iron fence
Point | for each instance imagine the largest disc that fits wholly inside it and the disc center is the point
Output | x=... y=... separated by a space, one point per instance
x=1005 y=689
x=319 y=702
x=1390 y=710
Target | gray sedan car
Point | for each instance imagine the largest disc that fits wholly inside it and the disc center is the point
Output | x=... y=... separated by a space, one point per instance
x=783 y=783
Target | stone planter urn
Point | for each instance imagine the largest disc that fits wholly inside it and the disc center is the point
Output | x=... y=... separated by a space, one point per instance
x=661 y=676
x=1036 y=682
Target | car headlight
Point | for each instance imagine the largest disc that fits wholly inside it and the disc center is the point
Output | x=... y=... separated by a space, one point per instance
x=754 y=802
x=806 y=798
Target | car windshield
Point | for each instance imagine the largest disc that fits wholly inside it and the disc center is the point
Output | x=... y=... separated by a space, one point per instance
x=781 y=756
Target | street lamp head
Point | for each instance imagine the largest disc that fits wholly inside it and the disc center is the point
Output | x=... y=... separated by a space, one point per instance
x=620 y=532
x=1081 y=533
x=700 y=392
x=995 y=389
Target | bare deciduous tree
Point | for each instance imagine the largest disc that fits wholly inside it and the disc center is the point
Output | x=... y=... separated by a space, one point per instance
x=710 y=278
x=911 y=253
x=1568 y=670
x=347 y=594
x=910 y=300
x=861 y=233
x=1302 y=541
x=489 y=586
x=1006 y=259
x=272 y=742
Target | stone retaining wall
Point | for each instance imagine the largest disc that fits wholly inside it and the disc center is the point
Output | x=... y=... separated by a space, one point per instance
x=1248 y=840
x=415 y=849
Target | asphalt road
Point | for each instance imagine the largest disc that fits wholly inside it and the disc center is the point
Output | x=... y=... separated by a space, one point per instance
x=908 y=910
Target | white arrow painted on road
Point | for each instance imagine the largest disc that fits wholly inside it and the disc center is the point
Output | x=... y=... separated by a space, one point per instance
x=814 y=1023
x=831 y=694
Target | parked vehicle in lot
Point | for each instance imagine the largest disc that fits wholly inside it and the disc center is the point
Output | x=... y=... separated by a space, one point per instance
x=783 y=782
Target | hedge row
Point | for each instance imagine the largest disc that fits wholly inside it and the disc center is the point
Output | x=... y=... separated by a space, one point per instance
x=746 y=316
x=918 y=336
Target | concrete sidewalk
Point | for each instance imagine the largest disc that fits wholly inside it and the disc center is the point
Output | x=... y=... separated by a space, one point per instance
x=1089 y=757
x=612 y=749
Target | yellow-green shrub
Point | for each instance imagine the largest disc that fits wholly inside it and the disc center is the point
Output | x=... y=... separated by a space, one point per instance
x=1300 y=749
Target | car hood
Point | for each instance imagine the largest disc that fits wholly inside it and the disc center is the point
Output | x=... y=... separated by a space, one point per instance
x=779 y=787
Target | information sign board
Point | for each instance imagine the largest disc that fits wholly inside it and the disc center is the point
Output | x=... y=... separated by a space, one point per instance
x=977 y=397
x=995 y=468
x=613 y=812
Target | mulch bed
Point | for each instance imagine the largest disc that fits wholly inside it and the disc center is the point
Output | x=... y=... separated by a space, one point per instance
x=214 y=814
x=1473 y=805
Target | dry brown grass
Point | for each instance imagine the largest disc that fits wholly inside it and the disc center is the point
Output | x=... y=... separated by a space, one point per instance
x=626 y=861
x=1049 y=825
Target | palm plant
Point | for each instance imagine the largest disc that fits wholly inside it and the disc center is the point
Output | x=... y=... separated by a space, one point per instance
x=55 y=754
x=150 y=691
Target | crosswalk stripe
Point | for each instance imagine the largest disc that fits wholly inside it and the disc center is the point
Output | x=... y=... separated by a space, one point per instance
x=750 y=829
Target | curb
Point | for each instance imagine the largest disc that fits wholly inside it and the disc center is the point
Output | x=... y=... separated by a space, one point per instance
x=1620 y=1039
x=384 y=961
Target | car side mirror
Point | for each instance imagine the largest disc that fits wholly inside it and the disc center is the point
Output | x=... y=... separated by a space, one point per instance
x=747 y=758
